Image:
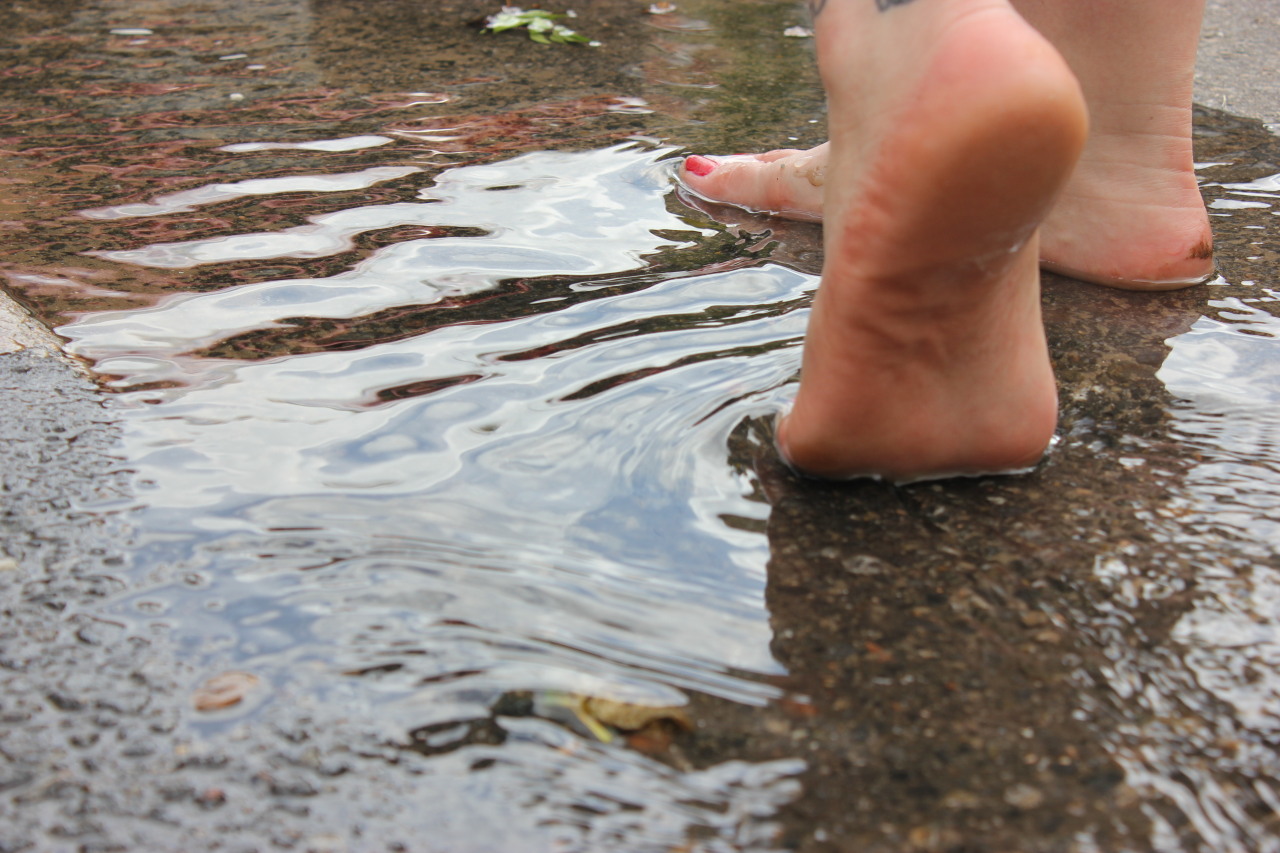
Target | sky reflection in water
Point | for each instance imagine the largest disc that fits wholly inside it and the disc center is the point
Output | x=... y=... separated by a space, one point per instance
x=1221 y=692
x=537 y=503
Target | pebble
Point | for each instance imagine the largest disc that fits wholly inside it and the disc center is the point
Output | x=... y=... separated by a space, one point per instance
x=1023 y=797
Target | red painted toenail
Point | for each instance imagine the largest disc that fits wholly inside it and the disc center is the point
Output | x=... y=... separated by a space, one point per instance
x=699 y=166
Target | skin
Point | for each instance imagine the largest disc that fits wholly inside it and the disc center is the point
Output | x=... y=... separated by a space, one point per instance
x=1130 y=215
x=956 y=126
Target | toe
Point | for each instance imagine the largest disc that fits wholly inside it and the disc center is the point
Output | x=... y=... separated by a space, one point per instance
x=783 y=182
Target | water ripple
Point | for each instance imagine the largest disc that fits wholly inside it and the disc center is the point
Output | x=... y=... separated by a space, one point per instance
x=378 y=478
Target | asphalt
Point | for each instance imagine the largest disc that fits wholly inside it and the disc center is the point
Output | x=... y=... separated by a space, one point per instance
x=987 y=741
x=1239 y=70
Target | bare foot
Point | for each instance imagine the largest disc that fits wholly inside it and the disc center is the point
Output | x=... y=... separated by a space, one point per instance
x=1131 y=215
x=953 y=128
x=786 y=182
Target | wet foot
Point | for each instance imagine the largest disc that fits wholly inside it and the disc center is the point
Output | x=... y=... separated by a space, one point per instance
x=1131 y=215
x=787 y=182
x=1121 y=220
x=1137 y=223
x=925 y=354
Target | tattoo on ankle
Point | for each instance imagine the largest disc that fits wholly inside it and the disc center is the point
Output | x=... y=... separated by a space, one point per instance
x=882 y=5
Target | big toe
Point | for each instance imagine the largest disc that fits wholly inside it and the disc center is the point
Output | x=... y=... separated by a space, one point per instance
x=783 y=182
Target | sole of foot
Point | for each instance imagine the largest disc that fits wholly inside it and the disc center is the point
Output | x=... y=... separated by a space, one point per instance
x=925 y=353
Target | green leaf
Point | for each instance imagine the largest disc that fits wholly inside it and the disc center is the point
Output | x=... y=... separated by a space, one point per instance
x=538 y=22
x=564 y=35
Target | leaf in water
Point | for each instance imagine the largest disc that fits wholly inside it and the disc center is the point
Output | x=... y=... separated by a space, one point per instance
x=539 y=23
x=648 y=728
x=630 y=717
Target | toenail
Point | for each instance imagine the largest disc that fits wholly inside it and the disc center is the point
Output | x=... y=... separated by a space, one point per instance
x=699 y=166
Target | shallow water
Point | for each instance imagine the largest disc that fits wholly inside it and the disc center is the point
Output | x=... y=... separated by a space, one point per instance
x=495 y=464
x=546 y=444
x=439 y=422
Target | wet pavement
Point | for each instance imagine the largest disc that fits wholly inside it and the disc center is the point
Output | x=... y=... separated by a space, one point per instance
x=412 y=486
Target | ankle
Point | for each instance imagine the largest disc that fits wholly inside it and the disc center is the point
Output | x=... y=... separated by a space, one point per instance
x=1132 y=215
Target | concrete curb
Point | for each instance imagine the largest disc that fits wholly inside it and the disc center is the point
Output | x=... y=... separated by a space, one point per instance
x=19 y=331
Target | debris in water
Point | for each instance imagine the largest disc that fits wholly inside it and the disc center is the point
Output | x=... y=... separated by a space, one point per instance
x=630 y=717
x=647 y=727
x=662 y=8
x=798 y=32
x=225 y=690
x=540 y=24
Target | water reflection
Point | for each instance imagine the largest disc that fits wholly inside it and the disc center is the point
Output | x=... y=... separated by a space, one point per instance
x=189 y=200
x=468 y=508
x=1227 y=370
x=421 y=447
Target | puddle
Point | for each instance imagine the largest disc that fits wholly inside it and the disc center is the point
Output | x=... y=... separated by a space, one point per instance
x=445 y=414
x=426 y=422
x=478 y=459
x=485 y=461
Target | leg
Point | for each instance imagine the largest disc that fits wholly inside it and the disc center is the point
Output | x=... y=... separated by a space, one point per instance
x=1131 y=215
x=953 y=125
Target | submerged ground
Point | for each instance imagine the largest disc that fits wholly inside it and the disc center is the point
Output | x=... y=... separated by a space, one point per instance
x=419 y=491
